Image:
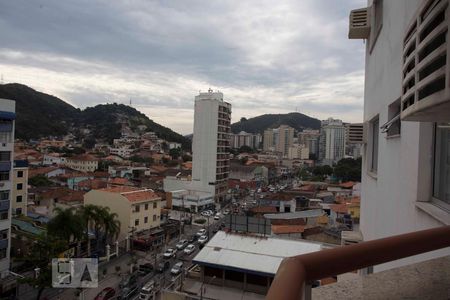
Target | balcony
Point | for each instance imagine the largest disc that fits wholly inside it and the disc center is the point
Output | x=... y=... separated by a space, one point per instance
x=4 y=244
x=4 y=205
x=296 y=274
x=5 y=166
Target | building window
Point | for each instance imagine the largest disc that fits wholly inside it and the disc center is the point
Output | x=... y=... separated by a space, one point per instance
x=19 y=186
x=146 y=220
x=18 y=211
x=19 y=199
x=4 y=195
x=377 y=22
x=5 y=155
x=136 y=222
x=154 y=217
x=3 y=253
x=393 y=125
x=441 y=184
x=146 y=206
x=19 y=174
x=4 y=175
x=155 y=205
x=4 y=234
x=374 y=132
x=4 y=215
x=137 y=208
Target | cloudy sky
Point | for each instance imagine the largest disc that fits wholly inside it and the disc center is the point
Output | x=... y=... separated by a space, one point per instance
x=265 y=56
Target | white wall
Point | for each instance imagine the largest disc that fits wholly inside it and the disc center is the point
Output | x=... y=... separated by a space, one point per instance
x=388 y=205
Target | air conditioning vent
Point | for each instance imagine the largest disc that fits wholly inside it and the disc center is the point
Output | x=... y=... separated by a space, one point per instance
x=426 y=70
x=359 y=27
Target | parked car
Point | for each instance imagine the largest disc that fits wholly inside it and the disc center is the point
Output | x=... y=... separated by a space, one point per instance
x=189 y=249
x=169 y=253
x=201 y=232
x=129 y=281
x=105 y=294
x=145 y=269
x=217 y=216
x=206 y=213
x=162 y=266
x=202 y=240
x=192 y=238
x=177 y=268
x=147 y=290
x=181 y=244
x=226 y=212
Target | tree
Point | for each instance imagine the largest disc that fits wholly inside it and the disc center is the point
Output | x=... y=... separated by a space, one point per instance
x=175 y=153
x=89 y=142
x=67 y=225
x=44 y=249
x=186 y=157
x=40 y=180
x=348 y=169
x=246 y=149
x=243 y=119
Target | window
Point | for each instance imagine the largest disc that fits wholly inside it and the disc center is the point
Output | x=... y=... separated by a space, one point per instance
x=377 y=21
x=374 y=132
x=19 y=174
x=146 y=220
x=154 y=217
x=4 y=234
x=18 y=211
x=4 y=175
x=4 y=215
x=4 y=155
x=19 y=186
x=3 y=253
x=136 y=222
x=393 y=125
x=155 y=205
x=19 y=199
x=146 y=206
x=4 y=195
x=137 y=208
x=441 y=184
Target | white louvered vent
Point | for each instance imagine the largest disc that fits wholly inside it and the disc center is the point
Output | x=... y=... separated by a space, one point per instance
x=425 y=90
x=359 y=27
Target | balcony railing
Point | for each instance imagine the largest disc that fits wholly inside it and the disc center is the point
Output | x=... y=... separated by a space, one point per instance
x=295 y=274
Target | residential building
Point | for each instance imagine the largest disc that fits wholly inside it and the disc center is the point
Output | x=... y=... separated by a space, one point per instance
x=53 y=159
x=406 y=171
x=193 y=201
x=310 y=138
x=138 y=209
x=19 y=197
x=279 y=139
x=298 y=152
x=354 y=139
x=253 y=173
x=84 y=163
x=243 y=138
x=7 y=117
x=122 y=151
x=174 y=145
x=332 y=141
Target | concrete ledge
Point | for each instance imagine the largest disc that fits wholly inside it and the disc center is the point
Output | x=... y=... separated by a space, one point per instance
x=425 y=280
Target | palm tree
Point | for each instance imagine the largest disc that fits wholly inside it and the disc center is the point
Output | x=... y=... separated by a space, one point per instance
x=66 y=225
x=111 y=226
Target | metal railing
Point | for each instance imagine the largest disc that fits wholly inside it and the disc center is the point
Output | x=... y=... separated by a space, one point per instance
x=296 y=273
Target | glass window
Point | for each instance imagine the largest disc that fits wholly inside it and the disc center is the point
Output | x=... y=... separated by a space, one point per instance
x=18 y=211
x=154 y=217
x=19 y=186
x=4 y=215
x=146 y=220
x=20 y=174
x=136 y=222
x=4 y=195
x=155 y=204
x=4 y=175
x=441 y=186
x=137 y=208
x=4 y=155
x=19 y=199
x=375 y=125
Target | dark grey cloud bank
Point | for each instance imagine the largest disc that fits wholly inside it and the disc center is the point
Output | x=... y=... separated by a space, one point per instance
x=264 y=55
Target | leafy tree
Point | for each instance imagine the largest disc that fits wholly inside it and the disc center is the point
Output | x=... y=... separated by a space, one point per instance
x=40 y=180
x=140 y=159
x=186 y=157
x=348 y=169
x=246 y=149
x=89 y=142
x=175 y=153
x=67 y=225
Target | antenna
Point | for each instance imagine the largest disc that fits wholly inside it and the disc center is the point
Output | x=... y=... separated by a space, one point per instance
x=130 y=101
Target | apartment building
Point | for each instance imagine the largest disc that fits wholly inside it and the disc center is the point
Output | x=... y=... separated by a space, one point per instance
x=406 y=155
x=298 y=152
x=310 y=138
x=20 y=188
x=138 y=209
x=331 y=141
x=354 y=139
x=279 y=139
x=245 y=139
x=7 y=117
x=83 y=163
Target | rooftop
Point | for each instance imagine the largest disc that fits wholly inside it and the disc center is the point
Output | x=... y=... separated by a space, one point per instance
x=311 y=213
x=133 y=194
x=250 y=253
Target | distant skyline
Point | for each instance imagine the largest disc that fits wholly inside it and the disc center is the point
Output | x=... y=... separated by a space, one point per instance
x=265 y=56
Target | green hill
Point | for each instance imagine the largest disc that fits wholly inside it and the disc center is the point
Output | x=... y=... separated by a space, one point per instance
x=259 y=124
x=42 y=115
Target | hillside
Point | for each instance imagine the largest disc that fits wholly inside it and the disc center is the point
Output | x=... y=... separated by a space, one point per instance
x=42 y=115
x=259 y=124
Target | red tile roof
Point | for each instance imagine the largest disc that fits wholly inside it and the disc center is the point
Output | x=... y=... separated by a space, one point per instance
x=133 y=194
x=41 y=171
x=339 y=208
x=347 y=185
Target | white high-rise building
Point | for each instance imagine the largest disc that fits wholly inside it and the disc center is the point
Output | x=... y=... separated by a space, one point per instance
x=211 y=142
x=7 y=117
x=332 y=141
x=406 y=158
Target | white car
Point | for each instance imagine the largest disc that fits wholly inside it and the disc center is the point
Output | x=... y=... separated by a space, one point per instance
x=177 y=268
x=202 y=240
x=189 y=249
x=217 y=216
x=147 y=290
x=181 y=244
x=169 y=253
x=226 y=212
x=201 y=232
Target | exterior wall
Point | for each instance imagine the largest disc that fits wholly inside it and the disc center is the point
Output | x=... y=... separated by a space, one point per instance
x=22 y=205
x=389 y=199
x=123 y=152
x=268 y=141
x=332 y=139
x=6 y=145
x=116 y=203
x=50 y=160
x=82 y=165
x=153 y=215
